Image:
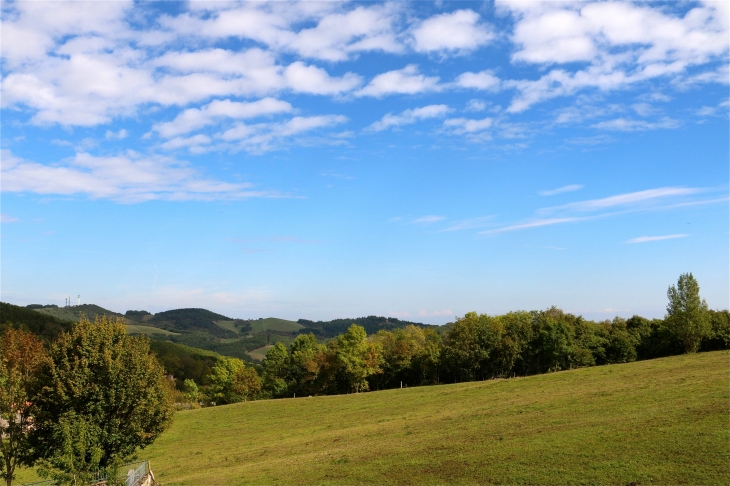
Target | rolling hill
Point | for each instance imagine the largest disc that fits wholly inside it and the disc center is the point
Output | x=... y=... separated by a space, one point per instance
x=74 y=313
x=660 y=421
x=203 y=329
x=44 y=325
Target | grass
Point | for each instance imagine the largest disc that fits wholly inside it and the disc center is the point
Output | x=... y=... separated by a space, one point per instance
x=662 y=421
x=260 y=353
x=149 y=330
x=228 y=326
x=274 y=324
x=73 y=313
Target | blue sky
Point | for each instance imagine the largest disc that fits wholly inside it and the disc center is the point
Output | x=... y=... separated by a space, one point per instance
x=324 y=160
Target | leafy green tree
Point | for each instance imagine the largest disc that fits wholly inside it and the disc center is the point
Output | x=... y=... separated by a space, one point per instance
x=687 y=314
x=306 y=362
x=621 y=345
x=720 y=335
x=276 y=371
x=462 y=348
x=357 y=358
x=190 y=389
x=107 y=380
x=22 y=357
x=553 y=345
x=77 y=457
x=231 y=382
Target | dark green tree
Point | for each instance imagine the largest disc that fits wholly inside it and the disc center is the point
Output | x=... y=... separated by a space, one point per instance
x=276 y=371
x=687 y=314
x=104 y=386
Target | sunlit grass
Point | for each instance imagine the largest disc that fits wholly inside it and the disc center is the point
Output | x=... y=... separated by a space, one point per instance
x=662 y=421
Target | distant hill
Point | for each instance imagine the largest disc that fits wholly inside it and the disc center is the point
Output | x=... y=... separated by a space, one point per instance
x=194 y=320
x=207 y=330
x=46 y=326
x=74 y=312
x=274 y=324
x=372 y=325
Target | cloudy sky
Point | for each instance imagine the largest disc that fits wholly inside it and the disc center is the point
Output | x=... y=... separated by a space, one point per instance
x=320 y=160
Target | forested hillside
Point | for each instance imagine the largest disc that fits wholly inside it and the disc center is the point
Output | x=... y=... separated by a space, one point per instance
x=74 y=312
x=43 y=325
x=371 y=324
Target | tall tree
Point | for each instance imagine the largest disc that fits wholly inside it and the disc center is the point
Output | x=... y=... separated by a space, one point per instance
x=22 y=356
x=276 y=371
x=231 y=382
x=687 y=314
x=357 y=358
x=104 y=386
x=306 y=361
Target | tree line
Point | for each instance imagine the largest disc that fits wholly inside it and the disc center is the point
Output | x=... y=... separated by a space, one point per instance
x=475 y=347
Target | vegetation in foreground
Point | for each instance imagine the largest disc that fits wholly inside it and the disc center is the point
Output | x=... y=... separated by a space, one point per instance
x=662 y=421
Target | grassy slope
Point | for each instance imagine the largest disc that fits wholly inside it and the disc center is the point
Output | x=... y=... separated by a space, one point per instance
x=74 y=313
x=274 y=324
x=227 y=325
x=659 y=421
x=260 y=353
x=149 y=330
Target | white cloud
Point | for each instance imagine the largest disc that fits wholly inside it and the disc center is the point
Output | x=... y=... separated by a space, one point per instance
x=301 y=124
x=608 y=206
x=476 y=105
x=629 y=125
x=472 y=223
x=428 y=219
x=196 y=118
x=409 y=116
x=537 y=223
x=627 y=199
x=402 y=81
x=561 y=190
x=262 y=136
x=313 y=80
x=120 y=135
x=455 y=31
x=337 y=35
x=189 y=142
x=646 y=239
x=483 y=80
x=123 y=178
x=622 y=44
x=462 y=126
x=6 y=218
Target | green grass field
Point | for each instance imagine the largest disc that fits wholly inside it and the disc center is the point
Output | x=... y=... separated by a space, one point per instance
x=228 y=326
x=274 y=324
x=260 y=353
x=149 y=330
x=662 y=421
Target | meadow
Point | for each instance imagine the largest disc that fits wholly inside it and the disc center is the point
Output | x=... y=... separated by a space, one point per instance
x=661 y=421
